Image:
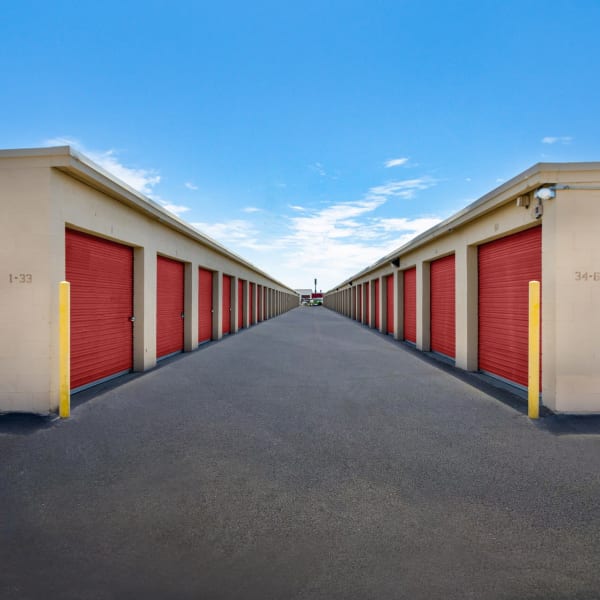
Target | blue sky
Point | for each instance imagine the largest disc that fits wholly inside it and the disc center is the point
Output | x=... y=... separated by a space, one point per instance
x=311 y=137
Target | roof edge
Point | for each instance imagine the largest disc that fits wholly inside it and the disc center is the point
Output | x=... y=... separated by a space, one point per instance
x=82 y=168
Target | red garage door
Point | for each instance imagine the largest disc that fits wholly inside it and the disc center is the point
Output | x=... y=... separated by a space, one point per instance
x=410 y=305
x=443 y=306
x=260 y=302
x=376 y=293
x=101 y=276
x=240 y=290
x=367 y=303
x=390 y=303
x=505 y=268
x=169 y=306
x=205 y=305
x=226 y=304
x=251 y=302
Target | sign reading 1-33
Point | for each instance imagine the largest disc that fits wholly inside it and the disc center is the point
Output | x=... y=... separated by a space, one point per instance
x=20 y=278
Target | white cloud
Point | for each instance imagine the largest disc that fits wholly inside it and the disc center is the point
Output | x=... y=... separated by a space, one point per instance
x=331 y=241
x=562 y=139
x=402 y=189
x=142 y=180
x=395 y=162
x=338 y=240
x=418 y=225
x=237 y=234
x=190 y=186
x=176 y=209
x=251 y=209
x=318 y=167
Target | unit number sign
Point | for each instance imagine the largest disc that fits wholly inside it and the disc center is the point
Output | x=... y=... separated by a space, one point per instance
x=587 y=276
x=20 y=278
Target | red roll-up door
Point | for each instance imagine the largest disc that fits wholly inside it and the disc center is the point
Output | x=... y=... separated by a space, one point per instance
x=506 y=266
x=367 y=303
x=390 y=303
x=267 y=303
x=169 y=306
x=410 y=305
x=205 y=305
x=260 y=302
x=359 y=303
x=226 y=304
x=376 y=293
x=251 y=302
x=443 y=311
x=101 y=277
x=240 y=298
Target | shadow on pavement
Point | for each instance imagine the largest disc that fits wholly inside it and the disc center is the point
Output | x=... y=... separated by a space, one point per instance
x=571 y=424
x=25 y=423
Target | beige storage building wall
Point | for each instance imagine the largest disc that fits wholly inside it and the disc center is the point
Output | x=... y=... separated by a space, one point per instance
x=570 y=276
x=45 y=191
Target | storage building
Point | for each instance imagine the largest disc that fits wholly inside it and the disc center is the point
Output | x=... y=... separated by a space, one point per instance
x=144 y=284
x=461 y=288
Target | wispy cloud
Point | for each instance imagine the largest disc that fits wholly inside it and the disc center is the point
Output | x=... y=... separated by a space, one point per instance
x=297 y=207
x=190 y=186
x=176 y=209
x=238 y=234
x=251 y=209
x=318 y=168
x=337 y=240
x=142 y=180
x=402 y=189
x=560 y=139
x=395 y=162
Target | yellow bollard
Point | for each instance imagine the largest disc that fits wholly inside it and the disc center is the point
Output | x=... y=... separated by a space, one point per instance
x=64 y=350
x=533 y=387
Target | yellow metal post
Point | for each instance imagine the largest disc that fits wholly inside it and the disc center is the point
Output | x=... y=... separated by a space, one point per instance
x=533 y=387
x=64 y=350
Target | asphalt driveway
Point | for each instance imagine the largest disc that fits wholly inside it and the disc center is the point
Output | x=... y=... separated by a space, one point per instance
x=305 y=458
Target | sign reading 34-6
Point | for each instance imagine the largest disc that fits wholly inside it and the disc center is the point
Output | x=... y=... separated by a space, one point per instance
x=587 y=276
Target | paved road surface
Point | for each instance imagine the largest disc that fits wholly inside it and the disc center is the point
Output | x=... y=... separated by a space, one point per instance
x=306 y=458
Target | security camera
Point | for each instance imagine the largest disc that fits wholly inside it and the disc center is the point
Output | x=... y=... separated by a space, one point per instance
x=545 y=193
